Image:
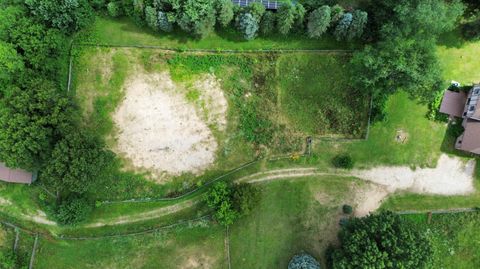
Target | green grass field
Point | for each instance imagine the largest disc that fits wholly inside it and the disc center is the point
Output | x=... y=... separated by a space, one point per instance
x=125 y=32
x=293 y=216
x=199 y=246
x=455 y=238
x=316 y=98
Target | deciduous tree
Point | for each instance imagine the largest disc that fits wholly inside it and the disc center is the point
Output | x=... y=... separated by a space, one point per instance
x=31 y=117
x=286 y=18
x=225 y=12
x=76 y=162
x=382 y=241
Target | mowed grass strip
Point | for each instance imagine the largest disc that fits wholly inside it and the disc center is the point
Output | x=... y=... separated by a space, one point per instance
x=316 y=98
x=178 y=248
x=123 y=31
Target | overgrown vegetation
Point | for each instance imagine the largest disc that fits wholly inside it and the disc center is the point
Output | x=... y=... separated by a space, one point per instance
x=382 y=241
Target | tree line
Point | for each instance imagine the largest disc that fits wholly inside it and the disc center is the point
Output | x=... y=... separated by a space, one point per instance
x=41 y=129
x=200 y=17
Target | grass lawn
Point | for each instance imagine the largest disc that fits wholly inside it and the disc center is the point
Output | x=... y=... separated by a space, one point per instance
x=293 y=215
x=459 y=62
x=315 y=96
x=199 y=246
x=124 y=32
x=455 y=238
x=24 y=245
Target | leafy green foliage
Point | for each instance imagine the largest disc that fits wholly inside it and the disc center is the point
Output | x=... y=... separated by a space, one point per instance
x=32 y=116
x=219 y=199
x=382 y=241
x=77 y=161
x=151 y=17
x=39 y=46
x=434 y=107
x=343 y=161
x=256 y=9
x=245 y=198
x=337 y=12
x=347 y=209
x=286 y=18
x=10 y=62
x=267 y=25
x=318 y=22
x=303 y=261
x=225 y=12
x=231 y=202
x=66 y=15
x=114 y=9
x=72 y=211
x=197 y=17
x=7 y=260
x=404 y=57
x=248 y=25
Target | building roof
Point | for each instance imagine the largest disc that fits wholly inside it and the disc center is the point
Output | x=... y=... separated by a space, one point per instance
x=453 y=103
x=15 y=175
x=268 y=4
x=471 y=137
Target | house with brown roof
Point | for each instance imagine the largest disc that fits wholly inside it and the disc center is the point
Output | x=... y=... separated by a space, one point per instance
x=465 y=105
x=16 y=175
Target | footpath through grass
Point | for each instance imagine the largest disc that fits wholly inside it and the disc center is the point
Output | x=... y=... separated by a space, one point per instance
x=455 y=238
x=124 y=32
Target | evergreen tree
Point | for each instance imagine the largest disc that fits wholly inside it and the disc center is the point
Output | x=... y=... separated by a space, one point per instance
x=225 y=12
x=318 y=22
x=267 y=25
x=286 y=16
x=342 y=29
x=248 y=25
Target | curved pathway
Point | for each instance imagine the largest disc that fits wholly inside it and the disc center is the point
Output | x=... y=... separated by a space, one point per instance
x=450 y=171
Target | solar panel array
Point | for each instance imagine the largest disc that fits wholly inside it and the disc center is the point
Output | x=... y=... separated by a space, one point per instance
x=268 y=4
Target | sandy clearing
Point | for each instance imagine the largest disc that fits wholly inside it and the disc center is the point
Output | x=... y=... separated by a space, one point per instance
x=159 y=130
x=215 y=104
x=451 y=177
x=156 y=213
x=369 y=199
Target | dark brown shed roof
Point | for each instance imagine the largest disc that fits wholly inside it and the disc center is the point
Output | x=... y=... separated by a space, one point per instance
x=471 y=137
x=453 y=103
x=15 y=175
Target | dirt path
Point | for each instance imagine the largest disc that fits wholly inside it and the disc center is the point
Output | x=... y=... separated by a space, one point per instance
x=451 y=177
x=152 y=214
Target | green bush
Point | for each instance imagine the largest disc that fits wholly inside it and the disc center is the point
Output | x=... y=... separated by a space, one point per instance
x=72 y=211
x=434 y=107
x=245 y=197
x=347 y=209
x=114 y=9
x=7 y=260
x=343 y=161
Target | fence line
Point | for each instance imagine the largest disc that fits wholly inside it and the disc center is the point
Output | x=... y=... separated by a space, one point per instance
x=80 y=238
x=17 y=237
x=227 y=51
x=32 y=257
x=227 y=246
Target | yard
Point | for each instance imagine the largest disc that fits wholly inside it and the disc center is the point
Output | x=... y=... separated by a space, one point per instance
x=455 y=238
x=197 y=246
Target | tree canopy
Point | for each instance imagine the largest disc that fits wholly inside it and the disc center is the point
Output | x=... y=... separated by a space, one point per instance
x=32 y=116
x=318 y=22
x=382 y=241
x=76 y=162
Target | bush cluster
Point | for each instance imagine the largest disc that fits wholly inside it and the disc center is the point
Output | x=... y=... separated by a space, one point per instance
x=232 y=201
x=344 y=161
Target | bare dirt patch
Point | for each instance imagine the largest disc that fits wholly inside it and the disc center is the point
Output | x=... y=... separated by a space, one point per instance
x=160 y=130
x=452 y=176
x=369 y=198
x=197 y=262
x=212 y=100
